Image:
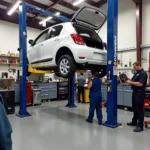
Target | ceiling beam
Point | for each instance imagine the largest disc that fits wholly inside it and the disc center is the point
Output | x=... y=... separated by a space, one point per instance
x=48 y=8
x=100 y=3
x=45 y=7
x=90 y=2
x=136 y=1
x=14 y=19
x=68 y=5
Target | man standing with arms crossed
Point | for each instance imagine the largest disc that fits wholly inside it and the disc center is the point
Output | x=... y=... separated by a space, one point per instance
x=138 y=84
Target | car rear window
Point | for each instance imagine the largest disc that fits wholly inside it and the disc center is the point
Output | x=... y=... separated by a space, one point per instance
x=87 y=32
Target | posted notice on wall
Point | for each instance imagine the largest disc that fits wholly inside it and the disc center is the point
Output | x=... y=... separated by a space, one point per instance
x=21 y=71
x=115 y=71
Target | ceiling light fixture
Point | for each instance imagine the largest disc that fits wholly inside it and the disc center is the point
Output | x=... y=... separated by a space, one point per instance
x=45 y=20
x=58 y=13
x=78 y=2
x=12 y=10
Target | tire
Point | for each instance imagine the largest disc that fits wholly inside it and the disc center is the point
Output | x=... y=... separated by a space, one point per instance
x=66 y=66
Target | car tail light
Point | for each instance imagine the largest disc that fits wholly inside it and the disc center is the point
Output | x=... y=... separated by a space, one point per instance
x=81 y=57
x=77 y=39
x=105 y=45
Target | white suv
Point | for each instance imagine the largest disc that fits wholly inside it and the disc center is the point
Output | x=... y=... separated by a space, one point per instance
x=71 y=46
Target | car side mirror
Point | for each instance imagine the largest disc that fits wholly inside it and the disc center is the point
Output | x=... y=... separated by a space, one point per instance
x=31 y=42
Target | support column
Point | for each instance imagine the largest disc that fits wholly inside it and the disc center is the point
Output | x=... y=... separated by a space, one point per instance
x=71 y=92
x=112 y=41
x=138 y=28
x=23 y=60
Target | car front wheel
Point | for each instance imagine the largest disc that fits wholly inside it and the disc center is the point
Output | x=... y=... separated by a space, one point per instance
x=66 y=66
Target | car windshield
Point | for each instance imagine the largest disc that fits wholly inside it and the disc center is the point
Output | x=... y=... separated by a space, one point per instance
x=88 y=33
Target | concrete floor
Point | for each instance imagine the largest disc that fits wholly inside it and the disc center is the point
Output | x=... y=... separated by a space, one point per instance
x=54 y=127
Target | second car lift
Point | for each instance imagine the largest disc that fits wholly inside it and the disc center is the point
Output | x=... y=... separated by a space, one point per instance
x=112 y=28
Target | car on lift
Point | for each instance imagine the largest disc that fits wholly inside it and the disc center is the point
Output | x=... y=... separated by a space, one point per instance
x=71 y=46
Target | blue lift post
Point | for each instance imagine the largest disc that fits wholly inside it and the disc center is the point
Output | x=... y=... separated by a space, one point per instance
x=23 y=51
x=23 y=62
x=112 y=40
x=71 y=91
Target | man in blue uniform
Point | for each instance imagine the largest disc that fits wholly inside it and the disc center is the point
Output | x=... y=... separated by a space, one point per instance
x=138 y=84
x=5 y=130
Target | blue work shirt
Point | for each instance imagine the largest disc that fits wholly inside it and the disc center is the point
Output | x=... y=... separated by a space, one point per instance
x=96 y=86
x=140 y=76
x=5 y=130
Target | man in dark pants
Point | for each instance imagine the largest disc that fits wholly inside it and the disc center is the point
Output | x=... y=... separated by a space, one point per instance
x=138 y=84
x=81 y=83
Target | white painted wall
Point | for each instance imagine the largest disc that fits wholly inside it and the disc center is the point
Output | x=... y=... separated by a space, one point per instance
x=9 y=36
x=9 y=41
x=126 y=24
x=127 y=32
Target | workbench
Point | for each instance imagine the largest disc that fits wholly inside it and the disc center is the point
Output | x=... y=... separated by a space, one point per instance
x=48 y=91
x=124 y=93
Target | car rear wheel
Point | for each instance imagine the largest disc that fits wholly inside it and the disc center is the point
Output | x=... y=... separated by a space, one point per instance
x=66 y=66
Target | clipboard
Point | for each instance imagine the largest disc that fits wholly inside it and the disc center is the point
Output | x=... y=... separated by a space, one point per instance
x=123 y=78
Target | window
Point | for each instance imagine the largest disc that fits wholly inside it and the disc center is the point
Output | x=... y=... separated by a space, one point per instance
x=41 y=37
x=55 y=31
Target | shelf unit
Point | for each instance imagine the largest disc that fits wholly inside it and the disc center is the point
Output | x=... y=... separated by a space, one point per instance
x=9 y=57
x=125 y=68
x=6 y=56
x=10 y=64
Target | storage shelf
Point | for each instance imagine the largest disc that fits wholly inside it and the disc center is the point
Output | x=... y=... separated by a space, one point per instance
x=125 y=68
x=10 y=64
x=6 y=56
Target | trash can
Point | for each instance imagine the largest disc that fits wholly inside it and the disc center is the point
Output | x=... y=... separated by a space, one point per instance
x=36 y=95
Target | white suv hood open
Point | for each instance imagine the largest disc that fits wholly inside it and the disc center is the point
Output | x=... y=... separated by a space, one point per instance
x=90 y=16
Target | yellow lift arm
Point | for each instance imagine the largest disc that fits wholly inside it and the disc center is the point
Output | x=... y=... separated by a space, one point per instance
x=36 y=71
x=33 y=70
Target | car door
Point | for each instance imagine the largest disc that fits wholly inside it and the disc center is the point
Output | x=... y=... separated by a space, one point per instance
x=89 y=16
x=51 y=45
x=36 y=52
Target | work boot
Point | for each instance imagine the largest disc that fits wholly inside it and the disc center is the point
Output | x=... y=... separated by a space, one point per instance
x=89 y=121
x=132 y=124
x=138 y=129
x=100 y=123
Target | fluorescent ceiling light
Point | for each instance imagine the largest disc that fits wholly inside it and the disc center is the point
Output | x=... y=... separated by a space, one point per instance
x=45 y=20
x=16 y=5
x=78 y=2
x=58 y=13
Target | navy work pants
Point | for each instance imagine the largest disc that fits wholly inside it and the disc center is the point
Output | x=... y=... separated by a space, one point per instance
x=138 y=107
x=95 y=104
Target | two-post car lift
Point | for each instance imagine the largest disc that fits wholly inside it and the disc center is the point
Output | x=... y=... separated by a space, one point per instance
x=112 y=28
